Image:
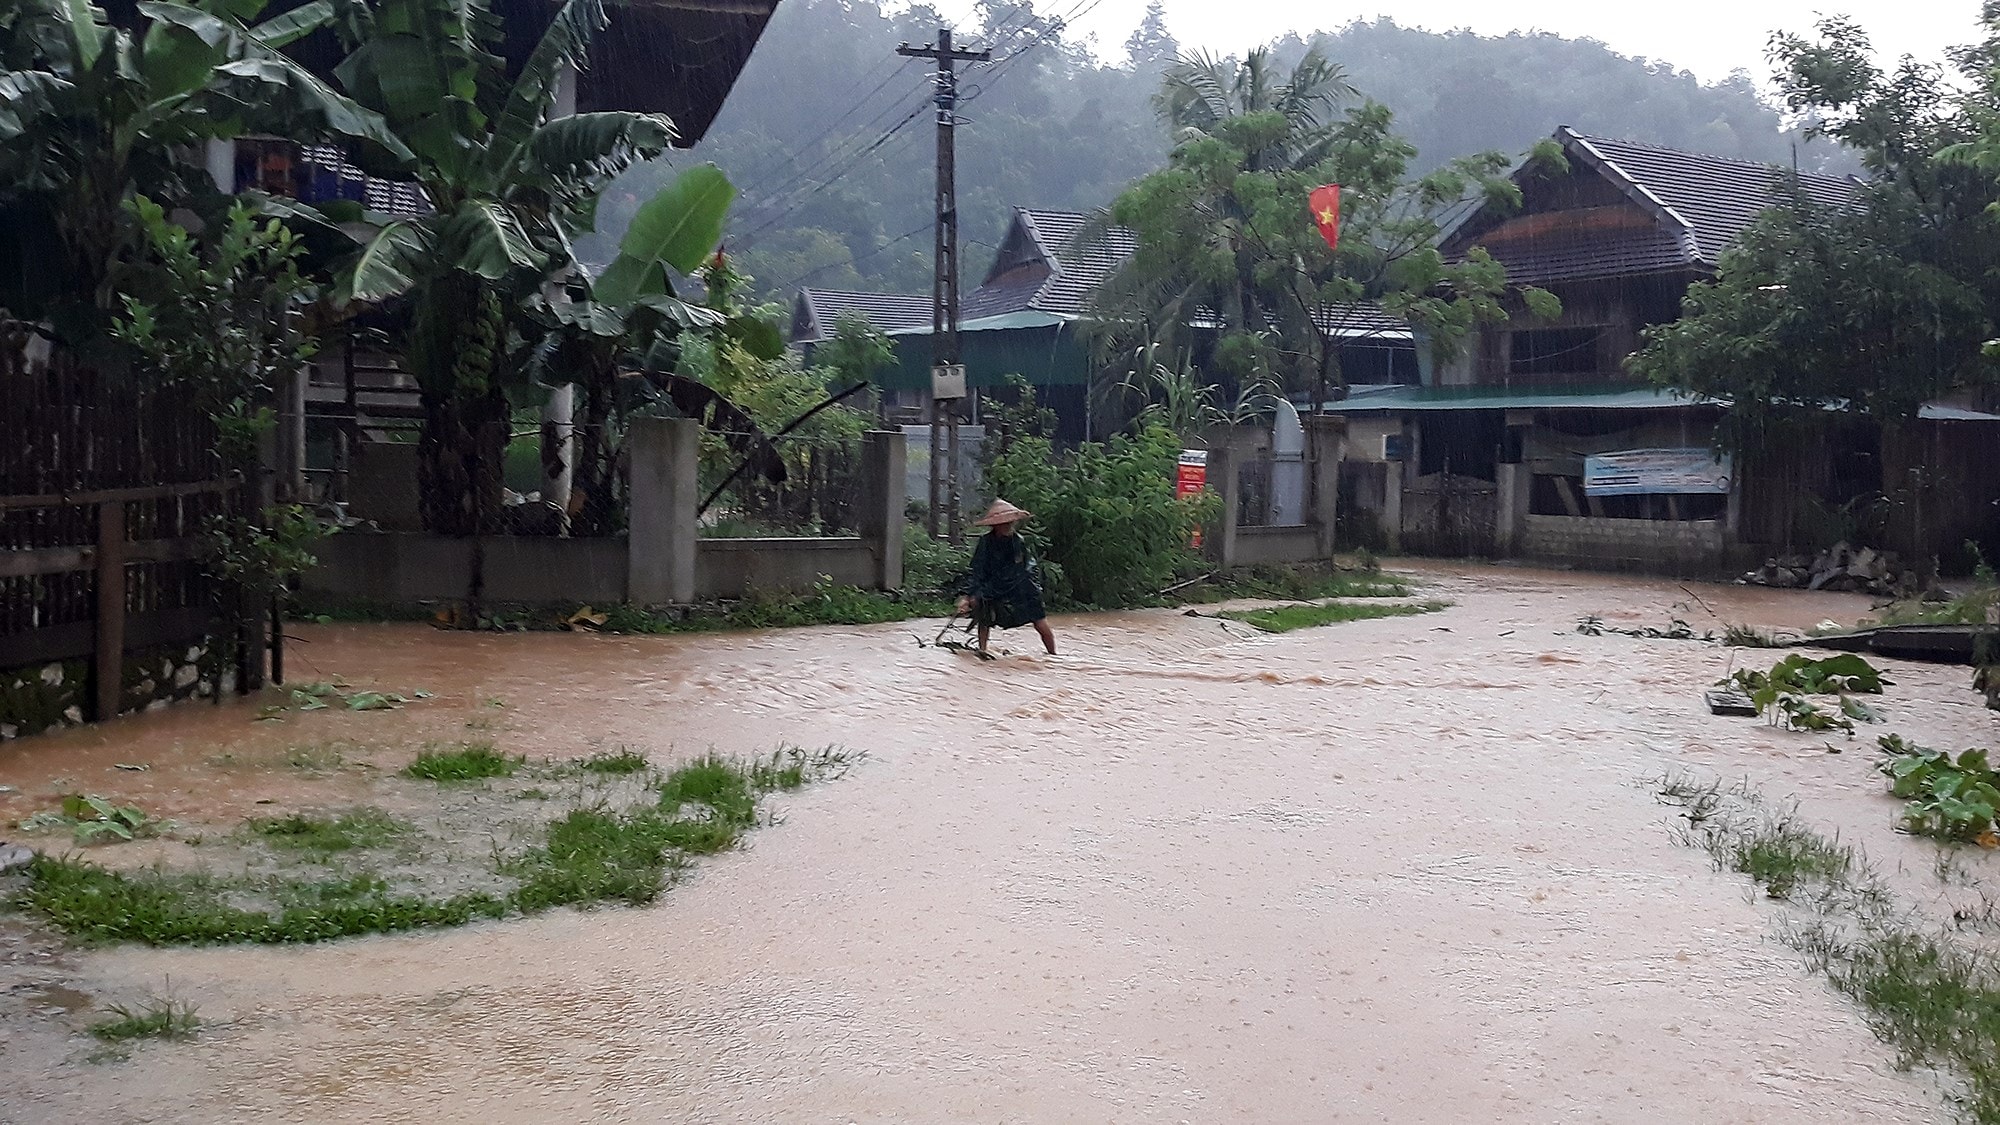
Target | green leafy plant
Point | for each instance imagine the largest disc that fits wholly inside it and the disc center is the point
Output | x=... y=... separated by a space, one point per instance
x=1108 y=527
x=95 y=818
x=1784 y=693
x=1951 y=797
x=1676 y=630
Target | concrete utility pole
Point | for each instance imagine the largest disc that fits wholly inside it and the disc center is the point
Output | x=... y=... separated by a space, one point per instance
x=947 y=377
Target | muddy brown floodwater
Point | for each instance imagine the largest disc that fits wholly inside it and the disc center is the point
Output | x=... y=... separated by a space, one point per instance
x=1396 y=870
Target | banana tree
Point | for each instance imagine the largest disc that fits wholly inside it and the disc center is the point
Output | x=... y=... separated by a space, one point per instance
x=92 y=114
x=509 y=188
x=628 y=322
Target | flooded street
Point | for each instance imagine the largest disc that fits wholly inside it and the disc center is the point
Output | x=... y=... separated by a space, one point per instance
x=1407 y=869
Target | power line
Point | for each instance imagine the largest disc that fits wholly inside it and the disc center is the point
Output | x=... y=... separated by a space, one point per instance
x=804 y=146
x=879 y=250
x=1039 y=29
x=802 y=198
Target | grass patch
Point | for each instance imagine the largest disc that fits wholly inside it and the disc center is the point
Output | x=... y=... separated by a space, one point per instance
x=471 y=761
x=160 y=1019
x=586 y=856
x=1295 y=584
x=351 y=830
x=1286 y=618
x=616 y=764
x=1925 y=990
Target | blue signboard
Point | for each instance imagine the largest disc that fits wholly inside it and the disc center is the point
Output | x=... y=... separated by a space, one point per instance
x=1652 y=472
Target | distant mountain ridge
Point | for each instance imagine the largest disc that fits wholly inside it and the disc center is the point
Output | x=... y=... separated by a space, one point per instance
x=834 y=197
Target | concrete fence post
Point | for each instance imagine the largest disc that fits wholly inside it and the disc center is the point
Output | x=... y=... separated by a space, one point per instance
x=1510 y=524
x=1223 y=482
x=1392 y=504
x=884 y=497
x=1327 y=434
x=661 y=547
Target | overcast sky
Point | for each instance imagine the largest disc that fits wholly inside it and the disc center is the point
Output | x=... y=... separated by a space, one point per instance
x=1709 y=37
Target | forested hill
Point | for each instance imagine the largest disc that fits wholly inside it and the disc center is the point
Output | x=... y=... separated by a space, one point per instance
x=836 y=195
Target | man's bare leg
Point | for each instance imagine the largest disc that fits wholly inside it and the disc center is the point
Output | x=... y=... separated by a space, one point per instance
x=1048 y=635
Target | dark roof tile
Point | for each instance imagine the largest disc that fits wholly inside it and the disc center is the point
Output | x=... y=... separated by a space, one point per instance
x=888 y=312
x=1716 y=198
x=1697 y=205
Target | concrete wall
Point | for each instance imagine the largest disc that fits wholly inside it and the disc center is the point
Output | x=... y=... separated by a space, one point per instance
x=1365 y=433
x=1229 y=545
x=662 y=561
x=1687 y=547
x=731 y=568
x=414 y=567
x=1272 y=546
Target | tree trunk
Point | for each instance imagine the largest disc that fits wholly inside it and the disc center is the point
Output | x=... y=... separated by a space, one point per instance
x=590 y=504
x=460 y=457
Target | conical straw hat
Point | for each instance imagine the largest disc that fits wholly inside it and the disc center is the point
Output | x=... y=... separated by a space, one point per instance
x=1001 y=512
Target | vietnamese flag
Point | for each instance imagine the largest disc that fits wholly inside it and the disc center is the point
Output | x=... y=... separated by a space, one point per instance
x=1325 y=204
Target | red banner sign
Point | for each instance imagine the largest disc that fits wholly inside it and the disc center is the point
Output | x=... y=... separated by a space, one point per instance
x=1191 y=479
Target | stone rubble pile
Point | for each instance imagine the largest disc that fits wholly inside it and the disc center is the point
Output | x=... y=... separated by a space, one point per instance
x=1860 y=569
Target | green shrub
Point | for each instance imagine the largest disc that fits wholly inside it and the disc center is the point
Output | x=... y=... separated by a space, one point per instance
x=1107 y=525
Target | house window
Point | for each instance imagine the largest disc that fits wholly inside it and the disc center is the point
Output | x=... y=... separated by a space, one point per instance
x=1553 y=351
x=319 y=174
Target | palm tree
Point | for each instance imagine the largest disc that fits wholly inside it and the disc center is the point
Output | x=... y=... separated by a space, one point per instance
x=1285 y=124
x=509 y=189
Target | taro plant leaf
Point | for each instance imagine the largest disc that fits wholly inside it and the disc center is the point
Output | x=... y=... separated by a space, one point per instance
x=374 y=701
x=89 y=831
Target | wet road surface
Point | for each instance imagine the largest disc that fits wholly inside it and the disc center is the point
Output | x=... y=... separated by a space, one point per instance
x=1395 y=870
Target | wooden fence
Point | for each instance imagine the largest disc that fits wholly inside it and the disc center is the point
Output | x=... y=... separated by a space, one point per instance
x=106 y=486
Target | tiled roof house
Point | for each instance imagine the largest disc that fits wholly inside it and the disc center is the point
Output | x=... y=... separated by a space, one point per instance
x=1020 y=318
x=1505 y=438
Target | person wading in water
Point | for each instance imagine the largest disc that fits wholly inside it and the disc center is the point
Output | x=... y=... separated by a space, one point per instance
x=1005 y=589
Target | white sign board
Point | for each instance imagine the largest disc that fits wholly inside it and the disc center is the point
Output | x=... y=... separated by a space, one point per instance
x=1642 y=472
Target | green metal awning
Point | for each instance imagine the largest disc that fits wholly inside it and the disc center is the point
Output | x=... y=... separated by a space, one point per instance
x=1367 y=400
x=1040 y=347
x=1004 y=322
x=1362 y=400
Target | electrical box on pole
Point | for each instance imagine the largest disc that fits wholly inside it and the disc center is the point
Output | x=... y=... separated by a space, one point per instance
x=944 y=289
